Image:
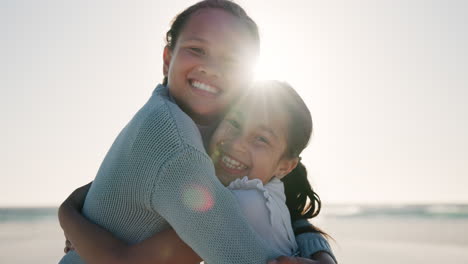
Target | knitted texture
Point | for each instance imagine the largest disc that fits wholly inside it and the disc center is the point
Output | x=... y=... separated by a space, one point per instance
x=157 y=174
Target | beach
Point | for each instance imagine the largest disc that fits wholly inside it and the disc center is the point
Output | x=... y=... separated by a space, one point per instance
x=358 y=239
x=401 y=241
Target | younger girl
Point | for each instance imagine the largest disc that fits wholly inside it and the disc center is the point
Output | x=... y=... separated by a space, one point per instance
x=254 y=149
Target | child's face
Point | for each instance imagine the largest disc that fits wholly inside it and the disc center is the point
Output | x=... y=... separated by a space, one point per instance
x=250 y=142
x=210 y=64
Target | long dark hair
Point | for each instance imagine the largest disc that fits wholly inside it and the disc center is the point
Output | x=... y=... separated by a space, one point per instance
x=232 y=8
x=302 y=201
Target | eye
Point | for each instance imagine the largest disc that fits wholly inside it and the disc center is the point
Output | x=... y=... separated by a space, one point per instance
x=233 y=123
x=263 y=139
x=197 y=50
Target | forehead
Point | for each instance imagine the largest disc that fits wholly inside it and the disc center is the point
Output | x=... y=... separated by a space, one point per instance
x=216 y=26
x=260 y=115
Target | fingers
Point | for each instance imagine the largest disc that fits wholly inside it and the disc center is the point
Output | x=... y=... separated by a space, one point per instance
x=68 y=246
x=283 y=260
x=291 y=260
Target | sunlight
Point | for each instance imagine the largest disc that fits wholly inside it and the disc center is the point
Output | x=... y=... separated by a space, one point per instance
x=270 y=65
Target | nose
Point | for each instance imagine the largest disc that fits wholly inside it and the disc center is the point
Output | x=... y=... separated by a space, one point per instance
x=210 y=68
x=237 y=142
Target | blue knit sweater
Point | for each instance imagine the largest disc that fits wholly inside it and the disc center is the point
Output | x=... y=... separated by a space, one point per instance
x=156 y=175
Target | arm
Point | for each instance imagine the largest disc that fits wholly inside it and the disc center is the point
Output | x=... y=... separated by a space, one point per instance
x=312 y=244
x=204 y=213
x=317 y=258
x=97 y=245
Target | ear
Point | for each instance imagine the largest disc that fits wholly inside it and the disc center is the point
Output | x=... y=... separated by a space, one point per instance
x=285 y=166
x=167 y=56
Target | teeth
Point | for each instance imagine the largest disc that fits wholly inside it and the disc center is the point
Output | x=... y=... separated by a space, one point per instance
x=204 y=87
x=232 y=164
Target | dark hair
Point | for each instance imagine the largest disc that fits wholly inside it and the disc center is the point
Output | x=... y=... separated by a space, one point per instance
x=234 y=9
x=301 y=199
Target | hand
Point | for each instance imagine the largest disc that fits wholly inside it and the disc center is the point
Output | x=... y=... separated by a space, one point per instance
x=318 y=258
x=68 y=246
x=292 y=260
x=74 y=203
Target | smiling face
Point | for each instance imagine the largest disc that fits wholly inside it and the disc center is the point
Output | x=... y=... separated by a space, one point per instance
x=210 y=64
x=251 y=141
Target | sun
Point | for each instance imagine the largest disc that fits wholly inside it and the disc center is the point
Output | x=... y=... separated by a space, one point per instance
x=271 y=65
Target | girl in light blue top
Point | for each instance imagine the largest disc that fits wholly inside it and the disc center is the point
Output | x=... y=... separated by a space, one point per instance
x=156 y=174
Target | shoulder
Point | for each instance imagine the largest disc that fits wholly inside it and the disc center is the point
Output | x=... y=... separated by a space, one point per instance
x=257 y=199
x=266 y=213
x=163 y=122
x=253 y=203
x=252 y=197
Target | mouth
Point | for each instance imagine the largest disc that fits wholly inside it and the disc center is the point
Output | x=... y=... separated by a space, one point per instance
x=232 y=165
x=204 y=88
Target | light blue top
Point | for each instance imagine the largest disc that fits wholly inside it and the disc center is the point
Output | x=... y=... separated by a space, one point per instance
x=156 y=175
x=265 y=208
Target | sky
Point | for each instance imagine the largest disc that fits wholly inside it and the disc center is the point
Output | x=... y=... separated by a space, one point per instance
x=386 y=82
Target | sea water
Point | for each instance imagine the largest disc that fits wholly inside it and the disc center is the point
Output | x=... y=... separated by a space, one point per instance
x=33 y=235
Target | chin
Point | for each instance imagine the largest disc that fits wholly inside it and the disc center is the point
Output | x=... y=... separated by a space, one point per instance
x=226 y=180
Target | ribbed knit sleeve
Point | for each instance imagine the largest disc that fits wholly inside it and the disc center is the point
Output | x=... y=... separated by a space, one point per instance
x=204 y=213
x=310 y=243
x=157 y=175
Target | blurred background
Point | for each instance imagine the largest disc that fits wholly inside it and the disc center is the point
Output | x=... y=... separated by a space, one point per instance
x=386 y=82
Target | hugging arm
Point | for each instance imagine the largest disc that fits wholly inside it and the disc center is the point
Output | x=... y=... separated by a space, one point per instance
x=204 y=213
x=318 y=258
x=191 y=199
x=97 y=245
x=312 y=245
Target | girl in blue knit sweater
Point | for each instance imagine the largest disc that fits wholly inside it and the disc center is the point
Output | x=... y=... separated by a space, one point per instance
x=205 y=68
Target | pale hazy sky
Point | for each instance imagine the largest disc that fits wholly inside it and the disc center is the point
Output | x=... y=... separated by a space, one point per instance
x=386 y=82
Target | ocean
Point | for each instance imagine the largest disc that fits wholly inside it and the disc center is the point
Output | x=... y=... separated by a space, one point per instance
x=422 y=211
x=431 y=233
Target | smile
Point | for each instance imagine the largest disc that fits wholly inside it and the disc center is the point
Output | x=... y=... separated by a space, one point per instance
x=205 y=87
x=232 y=163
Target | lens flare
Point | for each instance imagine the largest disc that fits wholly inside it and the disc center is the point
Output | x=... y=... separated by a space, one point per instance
x=197 y=198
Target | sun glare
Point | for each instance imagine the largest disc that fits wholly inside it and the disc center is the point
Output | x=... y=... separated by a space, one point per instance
x=269 y=65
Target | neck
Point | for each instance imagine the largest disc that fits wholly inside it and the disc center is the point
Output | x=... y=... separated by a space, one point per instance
x=206 y=124
x=206 y=131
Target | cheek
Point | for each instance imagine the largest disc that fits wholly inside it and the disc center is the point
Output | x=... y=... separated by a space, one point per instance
x=263 y=168
x=238 y=79
x=267 y=158
x=217 y=138
x=232 y=95
x=182 y=61
x=260 y=158
x=239 y=83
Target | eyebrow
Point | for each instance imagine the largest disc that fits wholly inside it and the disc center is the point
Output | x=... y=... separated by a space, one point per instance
x=195 y=38
x=234 y=54
x=268 y=130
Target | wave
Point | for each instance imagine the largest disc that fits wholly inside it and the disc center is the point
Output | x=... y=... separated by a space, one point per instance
x=412 y=211
x=27 y=214
x=452 y=211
